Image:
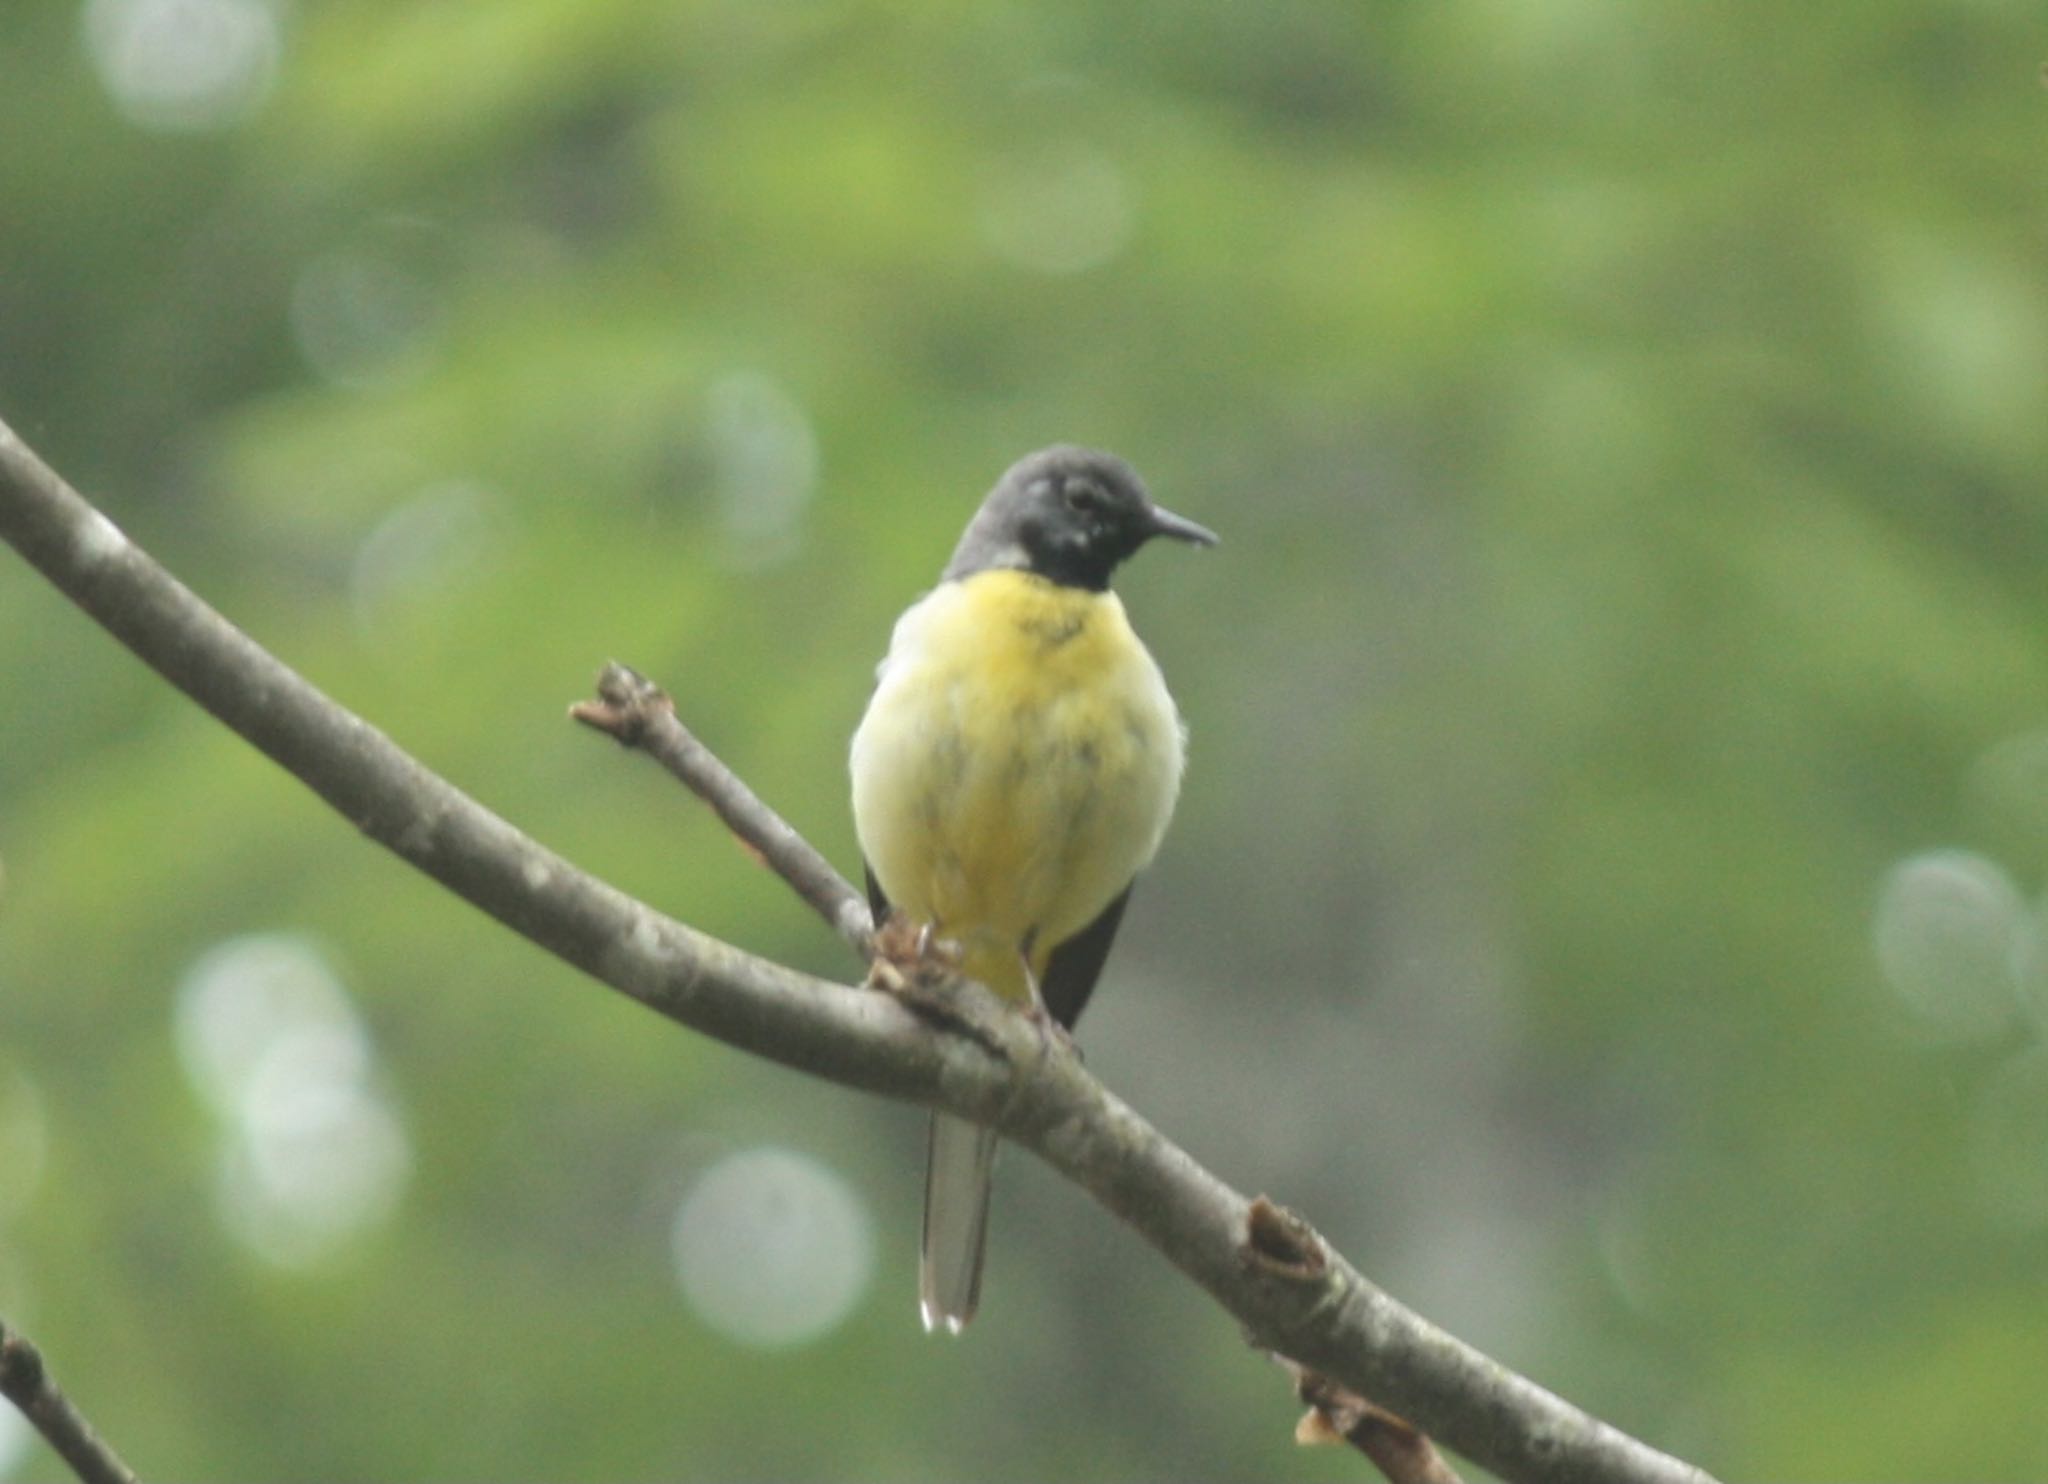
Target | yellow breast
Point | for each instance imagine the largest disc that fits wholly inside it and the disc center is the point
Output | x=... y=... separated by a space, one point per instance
x=1017 y=766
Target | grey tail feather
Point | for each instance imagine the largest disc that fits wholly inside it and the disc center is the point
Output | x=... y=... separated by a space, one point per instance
x=956 y=1186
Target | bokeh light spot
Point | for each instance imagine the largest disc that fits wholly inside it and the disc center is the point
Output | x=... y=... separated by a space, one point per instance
x=764 y=466
x=423 y=547
x=1950 y=931
x=771 y=1248
x=312 y=1165
x=184 y=65
x=311 y=1152
x=242 y=998
x=366 y=316
x=2030 y=965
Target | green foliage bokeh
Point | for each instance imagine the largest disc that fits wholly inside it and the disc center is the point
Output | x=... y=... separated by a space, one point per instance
x=1626 y=425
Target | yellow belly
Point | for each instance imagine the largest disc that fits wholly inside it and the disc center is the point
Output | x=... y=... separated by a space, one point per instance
x=1016 y=768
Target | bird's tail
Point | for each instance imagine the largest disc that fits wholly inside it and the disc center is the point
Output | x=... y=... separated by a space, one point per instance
x=956 y=1186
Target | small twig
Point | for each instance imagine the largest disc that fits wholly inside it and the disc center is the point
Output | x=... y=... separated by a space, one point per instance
x=1336 y=1415
x=639 y=714
x=25 y=1380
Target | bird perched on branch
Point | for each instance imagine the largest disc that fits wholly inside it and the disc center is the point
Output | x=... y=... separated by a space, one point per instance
x=1015 y=770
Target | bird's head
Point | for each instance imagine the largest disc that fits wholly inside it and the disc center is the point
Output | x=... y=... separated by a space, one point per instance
x=1070 y=514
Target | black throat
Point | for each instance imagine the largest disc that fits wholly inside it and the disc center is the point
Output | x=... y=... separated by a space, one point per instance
x=1082 y=567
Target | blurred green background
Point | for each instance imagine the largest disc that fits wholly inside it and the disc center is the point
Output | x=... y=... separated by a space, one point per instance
x=1606 y=895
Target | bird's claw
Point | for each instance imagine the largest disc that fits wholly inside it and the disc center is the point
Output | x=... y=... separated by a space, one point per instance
x=919 y=968
x=1050 y=1032
x=908 y=954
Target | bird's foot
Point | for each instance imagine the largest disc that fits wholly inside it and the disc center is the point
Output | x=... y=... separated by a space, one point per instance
x=919 y=968
x=1050 y=1032
x=908 y=954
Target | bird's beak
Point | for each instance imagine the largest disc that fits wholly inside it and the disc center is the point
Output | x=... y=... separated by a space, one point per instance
x=1180 y=528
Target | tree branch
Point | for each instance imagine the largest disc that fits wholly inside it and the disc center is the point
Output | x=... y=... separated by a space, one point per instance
x=26 y=1381
x=639 y=714
x=1301 y=1300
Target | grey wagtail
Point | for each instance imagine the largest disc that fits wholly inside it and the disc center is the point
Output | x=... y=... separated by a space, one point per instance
x=1015 y=770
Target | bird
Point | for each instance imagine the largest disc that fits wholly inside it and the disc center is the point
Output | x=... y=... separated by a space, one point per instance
x=1015 y=770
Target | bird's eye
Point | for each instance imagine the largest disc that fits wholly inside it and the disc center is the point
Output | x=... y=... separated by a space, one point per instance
x=1084 y=498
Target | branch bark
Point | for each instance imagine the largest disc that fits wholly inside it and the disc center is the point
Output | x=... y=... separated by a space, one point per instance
x=1305 y=1302
x=640 y=715
x=25 y=1380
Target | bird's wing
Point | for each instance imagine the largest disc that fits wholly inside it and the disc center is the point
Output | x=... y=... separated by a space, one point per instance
x=1075 y=965
x=878 y=900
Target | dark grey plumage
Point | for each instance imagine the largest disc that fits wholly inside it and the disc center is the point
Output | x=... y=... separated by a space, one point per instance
x=1070 y=514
